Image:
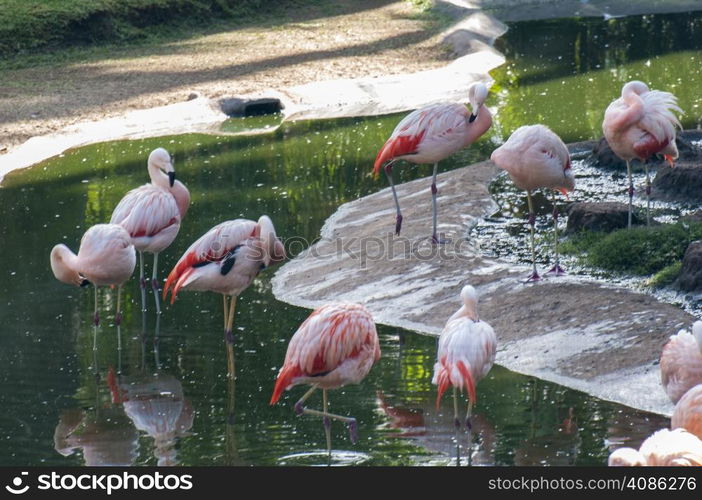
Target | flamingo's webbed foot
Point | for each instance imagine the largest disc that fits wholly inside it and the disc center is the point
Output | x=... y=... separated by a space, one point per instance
x=229 y=337
x=457 y=423
x=557 y=270
x=534 y=277
x=469 y=425
x=398 y=224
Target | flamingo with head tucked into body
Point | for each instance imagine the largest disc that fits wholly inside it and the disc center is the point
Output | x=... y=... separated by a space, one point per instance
x=535 y=157
x=152 y=214
x=431 y=134
x=335 y=346
x=663 y=448
x=226 y=260
x=638 y=125
x=681 y=362
x=106 y=257
x=466 y=353
x=688 y=412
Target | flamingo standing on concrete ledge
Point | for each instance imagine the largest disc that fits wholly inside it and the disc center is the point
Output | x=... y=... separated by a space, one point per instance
x=335 y=346
x=152 y=214
x=432 y=134
x=640 y=124
x=466 y=353
x=535 y=158
x=226 y=260
x=105 y=257
x=681 y=362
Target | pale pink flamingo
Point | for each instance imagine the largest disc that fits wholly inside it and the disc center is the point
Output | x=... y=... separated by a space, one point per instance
x=640 y=124
x=663 y=448
x=466 y=353
x=431 y=134
x=688 y=412
x=535 y=157
x=105 y=257
x=335 y=346
x=681 y=362
x=226 y=260
x=152 y=214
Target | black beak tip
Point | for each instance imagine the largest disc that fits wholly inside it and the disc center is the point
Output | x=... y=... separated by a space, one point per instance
x=84 y=283
x=472 y=118
x=171 y=178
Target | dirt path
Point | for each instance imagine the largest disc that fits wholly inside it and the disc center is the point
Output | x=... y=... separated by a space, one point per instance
x=349 y=39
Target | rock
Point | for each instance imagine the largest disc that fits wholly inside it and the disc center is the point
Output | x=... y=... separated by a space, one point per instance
x=251 y=107
x=682 y=183
x=693 y=217
x=603 y=156
x=600 y=216
x=690 y=279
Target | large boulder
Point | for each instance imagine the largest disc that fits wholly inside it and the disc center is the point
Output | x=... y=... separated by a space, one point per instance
x=690 y=278
x=600 y=216
x=681 y=183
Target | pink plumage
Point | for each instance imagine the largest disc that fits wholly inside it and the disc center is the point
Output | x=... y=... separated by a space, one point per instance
x=642 y=122
x=681 y=362
x=335 y=346
x=467 y=348
x=688 y=412
x=663 y=448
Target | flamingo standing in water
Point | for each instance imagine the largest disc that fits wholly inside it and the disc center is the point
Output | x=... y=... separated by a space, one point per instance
x=535 y=157
x=152 y=214
x=335 y=346
x=663 y=448
x=688 y=412
x=467 y=348
x=681 y=362
x=226 y=260
x=432 y=134
x=106 y=257
x=640 y=124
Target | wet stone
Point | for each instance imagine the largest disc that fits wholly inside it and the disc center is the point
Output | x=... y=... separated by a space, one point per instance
x=600 y=216
x=682 y=183
x=690 y=279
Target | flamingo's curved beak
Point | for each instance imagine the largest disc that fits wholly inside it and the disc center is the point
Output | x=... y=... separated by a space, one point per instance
x=171 y=178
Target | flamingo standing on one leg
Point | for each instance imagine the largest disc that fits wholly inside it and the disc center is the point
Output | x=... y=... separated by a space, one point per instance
x=535 y=157
x=226 y=260
x=106 y=257
x=681 y=362
x=432 y=134
x=466 y=353
x=663 y=448
x=152 y=214
x=640 y=124
x=688 y=412
x=335 y=346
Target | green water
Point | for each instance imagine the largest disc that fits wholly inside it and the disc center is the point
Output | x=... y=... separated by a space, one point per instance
x=298 y=175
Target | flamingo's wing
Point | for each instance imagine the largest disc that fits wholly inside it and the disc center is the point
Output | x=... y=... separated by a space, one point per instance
x=658 y=118
x=213 y=246
x=145 y=211
x=433 y=122
x=681 y=365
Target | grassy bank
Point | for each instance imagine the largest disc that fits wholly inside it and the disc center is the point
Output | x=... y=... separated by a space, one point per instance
x=30 y=26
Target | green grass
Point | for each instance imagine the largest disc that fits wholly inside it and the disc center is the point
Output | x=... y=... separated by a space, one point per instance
x=656 y=251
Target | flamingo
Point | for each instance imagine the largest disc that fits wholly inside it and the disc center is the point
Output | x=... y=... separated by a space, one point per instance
x=640 y=124
x=663 y=448
x=466 y=353
x=681 y=362
x=432 y=134
x=535 y=157
x=688 y=412
x=106 y=257
x=335 y=346
x=226 y=260
x=152 y=214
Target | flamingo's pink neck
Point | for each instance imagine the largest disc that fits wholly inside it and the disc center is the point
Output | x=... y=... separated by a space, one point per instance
x=632 y=91
x=158 y=177
x=64 y=264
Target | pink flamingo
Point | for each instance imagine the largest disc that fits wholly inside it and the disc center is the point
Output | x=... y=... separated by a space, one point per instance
x=226 y=260
x=152 y=214
x=432 y=134
x=335 y=346
x=466 y=353
x=663 y=448
x=640 y=124
x=105 y=257
x=535 y=157
x=688 y=412
x=681 y=362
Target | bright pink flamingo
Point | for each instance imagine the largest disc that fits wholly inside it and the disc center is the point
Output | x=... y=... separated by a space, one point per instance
x=335 y=346
x=640 y=124
x=105 y=257
x=688 y=412
x=535 y=158
x=663 y=448
x=681 y=362
x=226 y=260
x=432 y=134
x=152 y=214
x=466 y=353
